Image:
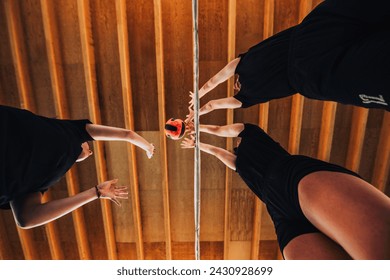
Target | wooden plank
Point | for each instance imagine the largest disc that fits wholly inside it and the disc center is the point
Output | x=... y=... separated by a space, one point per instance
x=33 y=38
x=178 y=58
x=213 y=55
x=52 y=235
x=15 y=32
x=5 y=248
x=269 y=13
x=129 y=118
x=162 y=119
x=231 y=47
x=297 y=100
x=210 y=250
x=286 y=15
x=269 y=18
x=94 y=111
x=256 y=236
x=32 y=32
x=268 y=251
x=54 y=59
x=142 y=51
x=241 y=215
x=382 y=161
x=356 y=138
x=18 y=49
x=62 y=111
x=240 y=250
x=327 y=128
x=151 y=193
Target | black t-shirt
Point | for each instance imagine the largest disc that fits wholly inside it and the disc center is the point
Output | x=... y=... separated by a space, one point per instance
x=263 y=71
x=35 y=151
x=336 y=55
x=255 y=155
x=339 y=52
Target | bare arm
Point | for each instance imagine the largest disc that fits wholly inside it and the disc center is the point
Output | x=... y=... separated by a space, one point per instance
x=224 y=74
x=29 y=212
x=230 y=130
x=109 y=133
x=228 y=158
x=222 y=103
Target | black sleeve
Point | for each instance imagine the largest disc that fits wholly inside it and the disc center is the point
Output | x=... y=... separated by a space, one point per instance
x=81 y=127
x=76 y=128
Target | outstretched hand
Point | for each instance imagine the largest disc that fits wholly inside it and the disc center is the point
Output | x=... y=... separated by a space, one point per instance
x=192 y=99
x=150 y=151
x=188 y=143
x=190 y=127
x=190 y=116
x=110 y=190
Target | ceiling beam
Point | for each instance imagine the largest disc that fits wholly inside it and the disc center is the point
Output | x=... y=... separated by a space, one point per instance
x=62 y=111
x=19 y=56
x=382 y=159
x=231 y=54
x=54 y=59
x=20 y=62
x=6 y=252
x=268 y=31
x=158 y=23
x=52 y=235
x=5 y=249
x=327 y=129
x=356 y=138
x=129 y=119
x=83 y=9
x=298 y=100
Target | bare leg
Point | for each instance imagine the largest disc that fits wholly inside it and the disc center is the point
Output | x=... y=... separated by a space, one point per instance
x=350 y=211
x=314 y=246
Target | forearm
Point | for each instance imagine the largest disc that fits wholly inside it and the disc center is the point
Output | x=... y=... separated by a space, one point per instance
x=227 y=72
x=223 y=155
x=208 y=128
x=230 y=130
x=107 y=133
x=207 y=148
x=136 y=139
x=44 y=213
x=207 y=87
x=222 y=103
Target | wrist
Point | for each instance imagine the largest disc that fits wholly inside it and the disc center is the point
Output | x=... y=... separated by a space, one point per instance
x=98 y=193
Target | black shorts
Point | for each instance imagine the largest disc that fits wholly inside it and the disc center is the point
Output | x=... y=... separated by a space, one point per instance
x=281 y=195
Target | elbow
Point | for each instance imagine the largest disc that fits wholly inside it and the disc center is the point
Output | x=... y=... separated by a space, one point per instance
x=213 y=82
x=128 y=135
x=216 y=130
x=22 y=226
x=24 y=222
x=24 y=219
x=208 y=107
x=219 y=131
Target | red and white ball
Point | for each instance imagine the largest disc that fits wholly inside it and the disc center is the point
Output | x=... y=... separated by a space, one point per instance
x=175 y=128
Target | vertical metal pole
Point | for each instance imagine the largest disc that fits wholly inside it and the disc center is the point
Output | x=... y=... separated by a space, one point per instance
x=196 y=124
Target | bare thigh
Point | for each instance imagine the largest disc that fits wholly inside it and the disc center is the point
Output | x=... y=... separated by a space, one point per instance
x=350 y=211
x=314 y=246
